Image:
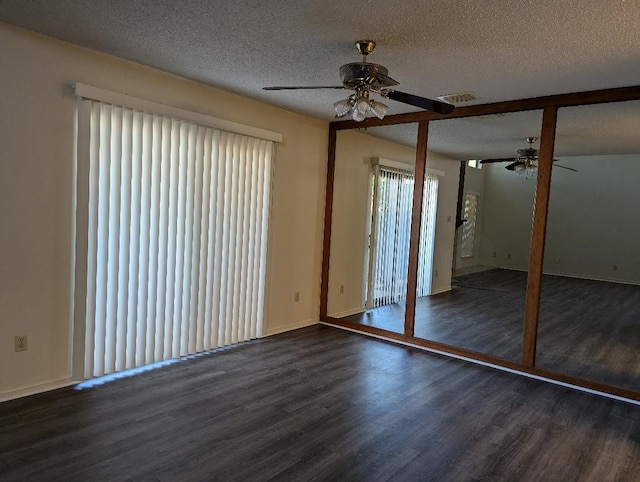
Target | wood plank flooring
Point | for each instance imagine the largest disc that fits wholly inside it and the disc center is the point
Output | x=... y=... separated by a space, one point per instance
x=320 y=404
x=589 y=329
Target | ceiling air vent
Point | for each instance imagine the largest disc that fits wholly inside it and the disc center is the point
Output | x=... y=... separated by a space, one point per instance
x=460 y=97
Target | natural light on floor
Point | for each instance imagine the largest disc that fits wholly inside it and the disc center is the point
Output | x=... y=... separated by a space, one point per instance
x=94 y=382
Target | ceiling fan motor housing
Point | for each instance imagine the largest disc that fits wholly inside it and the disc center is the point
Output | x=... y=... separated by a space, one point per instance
x=358 y=74
x=528 y=153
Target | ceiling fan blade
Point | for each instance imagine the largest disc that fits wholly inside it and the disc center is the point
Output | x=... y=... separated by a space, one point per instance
x=422 y=102
x=506 y=159
x=379 y=80
x=305 y=87
x=512 y=166
x=565 y=167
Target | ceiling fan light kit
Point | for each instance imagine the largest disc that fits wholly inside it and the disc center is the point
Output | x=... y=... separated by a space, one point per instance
x=366 y=78
x=359 y=106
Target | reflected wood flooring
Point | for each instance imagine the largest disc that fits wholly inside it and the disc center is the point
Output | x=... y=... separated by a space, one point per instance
x=320 y=403
x=589 y=329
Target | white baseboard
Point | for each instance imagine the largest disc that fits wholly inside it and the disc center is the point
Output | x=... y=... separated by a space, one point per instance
x=282 y=328
x=34 y=389
x=575 y=275
x=593 y=278
x=352 y=311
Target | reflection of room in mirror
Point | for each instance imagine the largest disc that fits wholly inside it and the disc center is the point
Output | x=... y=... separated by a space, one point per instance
x=481 y=308
x=373 y=191
x=590 y=302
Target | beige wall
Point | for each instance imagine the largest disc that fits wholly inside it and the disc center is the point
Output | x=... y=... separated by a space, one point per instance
x=37 y=109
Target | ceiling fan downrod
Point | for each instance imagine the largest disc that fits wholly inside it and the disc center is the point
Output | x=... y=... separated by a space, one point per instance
x=365 y=47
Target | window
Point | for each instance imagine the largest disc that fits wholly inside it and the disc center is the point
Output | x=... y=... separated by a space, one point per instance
x=474 y=163
x=176 y=231
x=469 y=226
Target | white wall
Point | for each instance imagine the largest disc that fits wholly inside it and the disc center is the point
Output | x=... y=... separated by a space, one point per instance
x=593 y=222
x=37 y=110
x=506 y=216
x=349 y=232
x=593 y=219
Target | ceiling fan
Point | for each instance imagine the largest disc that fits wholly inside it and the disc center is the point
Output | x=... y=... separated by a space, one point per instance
x=526 y=161
x=366 y=78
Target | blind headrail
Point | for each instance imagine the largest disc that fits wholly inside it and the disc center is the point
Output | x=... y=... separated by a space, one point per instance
x=125 y=100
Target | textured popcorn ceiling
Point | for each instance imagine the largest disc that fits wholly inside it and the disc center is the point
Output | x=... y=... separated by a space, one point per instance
x=499 y=49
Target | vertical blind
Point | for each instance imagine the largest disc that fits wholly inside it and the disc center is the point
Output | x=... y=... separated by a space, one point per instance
x=427 y=235
x=391 y=238
x=177 y=232
x=393 y=194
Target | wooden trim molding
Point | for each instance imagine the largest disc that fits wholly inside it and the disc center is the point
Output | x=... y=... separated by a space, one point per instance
x=560 y=100
x=416 y=218
x=328 y=212
x=538 y=235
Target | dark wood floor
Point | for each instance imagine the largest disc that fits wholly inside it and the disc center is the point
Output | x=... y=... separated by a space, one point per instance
x=589 y=329
x=320 y=404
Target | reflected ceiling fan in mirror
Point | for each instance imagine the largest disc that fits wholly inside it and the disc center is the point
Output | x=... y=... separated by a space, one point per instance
x=366 y=78
x=526 y=161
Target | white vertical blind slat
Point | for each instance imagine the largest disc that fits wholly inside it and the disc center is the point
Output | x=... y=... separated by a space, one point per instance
x=133 y=334
x=217 y=328
x=194 y=339
x=232 y=334
x=142 y=355
x=153 y=350
x=172 y=234
x=92 y=237
x=164 y=168
x=176 y=254
x=113 y=247
x=180 y=241
x=188 y=243
x=104 y=157
x=125 y=227
x=212 y=304
x=227 y=223
x=243 y=327
x=238 y=242
x=202 y=332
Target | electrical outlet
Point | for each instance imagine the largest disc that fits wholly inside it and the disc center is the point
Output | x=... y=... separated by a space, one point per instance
x=341 y=289
x=21 y=342
x=296 y=296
